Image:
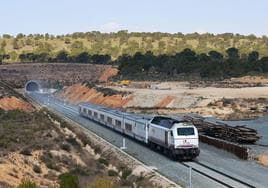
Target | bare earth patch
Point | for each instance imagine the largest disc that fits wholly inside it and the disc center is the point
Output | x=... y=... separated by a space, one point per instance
x=14 y=103
x=263 y=159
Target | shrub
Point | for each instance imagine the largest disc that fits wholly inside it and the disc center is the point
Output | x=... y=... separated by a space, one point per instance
x=26 y=151
x=72 y=141
x=37 y=169
x=68 y=180
x=79 y=170
x=126 y=173
x=66 y=147
x=112 y=173
x=101 y=182
x=97 y=149
x=103 y=161
x=25 y=183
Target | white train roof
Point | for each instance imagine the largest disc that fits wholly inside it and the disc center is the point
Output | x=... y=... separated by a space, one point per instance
x=135 y=117
x=166 y=122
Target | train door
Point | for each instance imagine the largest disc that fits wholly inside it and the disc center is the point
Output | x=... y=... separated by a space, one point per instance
x=166 y=138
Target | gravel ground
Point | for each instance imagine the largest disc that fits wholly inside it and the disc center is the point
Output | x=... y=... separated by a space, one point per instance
x=247 y=171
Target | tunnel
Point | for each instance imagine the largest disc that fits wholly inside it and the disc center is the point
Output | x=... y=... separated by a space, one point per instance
x=32 y=86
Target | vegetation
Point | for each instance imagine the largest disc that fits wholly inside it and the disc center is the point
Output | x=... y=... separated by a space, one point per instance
x=68 y=180
x=102 y=182
x=112 y=173
x=99 y=47
x=146 y=55
x=188 y=63
x=25 y=183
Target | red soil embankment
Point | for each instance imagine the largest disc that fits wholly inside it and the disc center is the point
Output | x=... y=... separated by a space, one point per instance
x=107 y=74
x=80 y=93
x=165 y=102
x=14 y=103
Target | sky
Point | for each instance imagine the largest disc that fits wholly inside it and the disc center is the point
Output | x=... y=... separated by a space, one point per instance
x=172 y=16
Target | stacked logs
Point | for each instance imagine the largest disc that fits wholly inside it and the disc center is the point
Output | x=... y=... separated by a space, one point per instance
x=237 y=134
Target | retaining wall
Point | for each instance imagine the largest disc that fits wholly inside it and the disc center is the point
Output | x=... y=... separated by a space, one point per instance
x=241 y=151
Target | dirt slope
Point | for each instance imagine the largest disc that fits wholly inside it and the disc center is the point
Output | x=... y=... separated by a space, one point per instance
x=177 y=97
x=14 y=103
x=80 y=93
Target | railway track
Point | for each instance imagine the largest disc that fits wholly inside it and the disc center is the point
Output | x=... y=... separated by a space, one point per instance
x=216 y=175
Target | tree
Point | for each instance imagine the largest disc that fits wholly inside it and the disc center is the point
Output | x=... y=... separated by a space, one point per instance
x=67 y=41
x=82 y=57
x=253 y=56
x=62 y=56
x=3 y=44
x=214 y=55
x=15 y=44
x=233 y=53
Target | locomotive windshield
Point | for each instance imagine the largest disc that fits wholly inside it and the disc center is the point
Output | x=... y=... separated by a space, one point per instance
x=186 y=131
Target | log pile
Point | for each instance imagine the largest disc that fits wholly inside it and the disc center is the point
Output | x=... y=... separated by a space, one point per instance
x=237 y=134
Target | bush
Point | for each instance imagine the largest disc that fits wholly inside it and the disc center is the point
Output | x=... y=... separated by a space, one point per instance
x=66 y=147
x=97 y=149
x=25 y=183
x=68 y=180
x=103 y=161
x=112 y=173
x=79 y=170
x=101 y=183
x=37 y=169
x=26 y=151
x=72 y=141
x=126 y=173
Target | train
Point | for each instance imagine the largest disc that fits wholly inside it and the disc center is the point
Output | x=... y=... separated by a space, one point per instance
x=176 y=138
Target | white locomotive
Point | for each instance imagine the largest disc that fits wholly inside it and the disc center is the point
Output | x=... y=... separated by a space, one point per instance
x=176 y=138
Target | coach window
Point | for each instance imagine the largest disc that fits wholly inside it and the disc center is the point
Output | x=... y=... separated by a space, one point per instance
x=171 y=133
x=89 y=112
x=110 y=120
x=118 y=123
x=95 y=114
x=128 y=127
x=85 y=110
x=102 y=117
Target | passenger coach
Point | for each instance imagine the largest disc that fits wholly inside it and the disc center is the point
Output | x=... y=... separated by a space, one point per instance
x=176 y=138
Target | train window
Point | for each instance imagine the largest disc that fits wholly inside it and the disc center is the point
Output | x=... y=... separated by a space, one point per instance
x=128 y=127
x=118 y=123
x=186 y=131
x=85 y=110
x=109 y=120
x=89 y=112
x=95 y=114
x=102 y=117
x=79 y=108
x=171 y=133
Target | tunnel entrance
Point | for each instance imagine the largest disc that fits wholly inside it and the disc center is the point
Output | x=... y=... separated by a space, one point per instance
x=32 y=86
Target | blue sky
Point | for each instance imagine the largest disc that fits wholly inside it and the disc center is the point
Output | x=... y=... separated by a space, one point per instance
x=67 y=16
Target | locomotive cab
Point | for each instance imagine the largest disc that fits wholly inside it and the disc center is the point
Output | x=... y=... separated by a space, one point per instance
x=185 y=140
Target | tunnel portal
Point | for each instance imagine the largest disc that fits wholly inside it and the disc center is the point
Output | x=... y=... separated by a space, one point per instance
x=32 y=86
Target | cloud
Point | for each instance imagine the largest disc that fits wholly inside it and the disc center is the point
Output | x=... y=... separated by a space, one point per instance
x=109 y=27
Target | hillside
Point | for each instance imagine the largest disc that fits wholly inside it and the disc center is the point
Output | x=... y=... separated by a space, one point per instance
x=122 y=42
x=57 y=74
